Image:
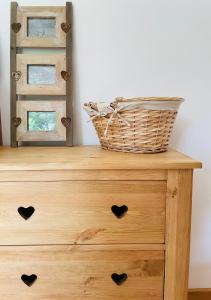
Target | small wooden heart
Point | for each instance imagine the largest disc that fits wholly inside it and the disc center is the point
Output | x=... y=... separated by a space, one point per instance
x=119 y=279
x=29 y=280
x=27 y=212
x=16 y=122
x=65 y=27
x=119 y=211
x=16 y=75
x=16 y=27
x=65 y=75
x=66 y=122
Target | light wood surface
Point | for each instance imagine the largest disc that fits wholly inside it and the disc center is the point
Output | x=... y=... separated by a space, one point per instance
x=64 y=175
x=25 y=12
x=80 y=212
x=75 y=273
x=72 y=191
x=23 y=107
x=90 y=158
x=57 y=60
x=178 y=225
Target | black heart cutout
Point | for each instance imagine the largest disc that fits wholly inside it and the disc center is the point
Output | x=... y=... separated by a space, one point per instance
x=119 y=211
x=26 y=213
x=119 y=279
x=29 y=280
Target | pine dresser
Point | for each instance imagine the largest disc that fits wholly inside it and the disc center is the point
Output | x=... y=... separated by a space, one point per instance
x=85 y=223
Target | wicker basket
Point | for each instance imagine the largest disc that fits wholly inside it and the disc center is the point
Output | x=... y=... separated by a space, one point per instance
x=139 y=125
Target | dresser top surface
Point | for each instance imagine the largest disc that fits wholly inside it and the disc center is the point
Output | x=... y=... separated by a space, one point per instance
x=89 y=158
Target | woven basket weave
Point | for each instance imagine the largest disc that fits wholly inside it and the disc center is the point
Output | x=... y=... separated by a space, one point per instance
x=139 y=125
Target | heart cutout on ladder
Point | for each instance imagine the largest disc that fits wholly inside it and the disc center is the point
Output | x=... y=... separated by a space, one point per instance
x=65 y=75
x=29 y=279
x=66 y=122
x=26 y=213
x=65 y=27
x=16 y=121
x=119 y=211
x=16 y=27
x=16 y=75
x=119 y=279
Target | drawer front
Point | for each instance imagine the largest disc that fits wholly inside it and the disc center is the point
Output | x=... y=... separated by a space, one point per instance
x=80 y=272
x=82 y=212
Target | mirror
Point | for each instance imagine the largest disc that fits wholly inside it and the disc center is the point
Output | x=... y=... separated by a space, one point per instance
x=41 y=27
x=41 y=120
x=41 y=74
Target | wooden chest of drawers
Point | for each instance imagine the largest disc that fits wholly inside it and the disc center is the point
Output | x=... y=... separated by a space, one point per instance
x=84 y=223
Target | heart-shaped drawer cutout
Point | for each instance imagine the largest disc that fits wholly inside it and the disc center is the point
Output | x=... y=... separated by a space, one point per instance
x=119 y=211
x=29 y=279
x=27 y=212
x=119 y=279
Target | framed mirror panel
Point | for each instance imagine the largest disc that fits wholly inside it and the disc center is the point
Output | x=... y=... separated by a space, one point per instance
x=41 y=121
x=41 y=26
x=41 y=74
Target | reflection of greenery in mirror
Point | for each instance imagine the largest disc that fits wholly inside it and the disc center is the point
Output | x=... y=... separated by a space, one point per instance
x=41 y=120
x=41 y=27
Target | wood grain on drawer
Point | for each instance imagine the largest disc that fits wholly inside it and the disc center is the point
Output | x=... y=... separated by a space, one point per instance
x=81 y=272
x=69 y=212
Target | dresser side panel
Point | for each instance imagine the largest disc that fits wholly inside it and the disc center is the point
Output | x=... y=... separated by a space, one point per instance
x=178 y=226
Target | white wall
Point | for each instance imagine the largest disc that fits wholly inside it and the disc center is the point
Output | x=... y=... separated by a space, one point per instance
x=142 y=47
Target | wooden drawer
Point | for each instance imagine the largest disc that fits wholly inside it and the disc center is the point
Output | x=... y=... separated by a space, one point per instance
x=68 y=212
x=81 y=272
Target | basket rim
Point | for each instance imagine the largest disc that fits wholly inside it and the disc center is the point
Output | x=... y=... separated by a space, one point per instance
x=137 y=99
